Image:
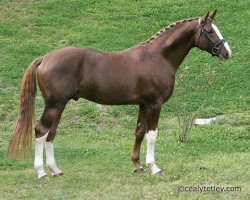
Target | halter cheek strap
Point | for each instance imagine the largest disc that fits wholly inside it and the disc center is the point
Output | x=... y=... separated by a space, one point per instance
x=215 y=46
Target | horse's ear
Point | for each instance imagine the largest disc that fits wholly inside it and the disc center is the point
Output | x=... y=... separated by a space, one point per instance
x=206 y=17
x=213 y=15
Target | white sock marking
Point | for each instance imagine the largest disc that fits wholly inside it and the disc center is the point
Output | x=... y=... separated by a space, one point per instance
x=220 y=36
x=151 y=137
x=38 y=163
x=50 y=159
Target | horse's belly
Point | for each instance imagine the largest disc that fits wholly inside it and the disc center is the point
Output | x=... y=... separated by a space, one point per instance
x=108 y=95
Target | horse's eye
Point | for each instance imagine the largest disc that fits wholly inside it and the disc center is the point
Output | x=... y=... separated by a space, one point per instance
x=211 y=31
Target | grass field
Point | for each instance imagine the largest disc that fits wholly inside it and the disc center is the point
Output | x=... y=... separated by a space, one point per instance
x=94 y=144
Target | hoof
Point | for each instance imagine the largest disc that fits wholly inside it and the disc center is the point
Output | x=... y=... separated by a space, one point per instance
x=45 y=177
x=160 y=173
x=56 y=175
x=140 y=170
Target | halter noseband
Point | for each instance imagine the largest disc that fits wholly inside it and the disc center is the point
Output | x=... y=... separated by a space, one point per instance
x=214 y=45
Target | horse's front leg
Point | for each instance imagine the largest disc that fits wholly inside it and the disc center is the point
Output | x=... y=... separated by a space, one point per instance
x=139 y=135
x=152 y=117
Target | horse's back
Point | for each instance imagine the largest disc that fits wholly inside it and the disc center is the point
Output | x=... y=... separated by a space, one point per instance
x=63 y=57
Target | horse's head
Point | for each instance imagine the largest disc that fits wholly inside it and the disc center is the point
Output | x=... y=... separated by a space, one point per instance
x=210 y=39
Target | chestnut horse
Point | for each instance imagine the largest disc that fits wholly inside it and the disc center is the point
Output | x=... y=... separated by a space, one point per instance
x=142 y=75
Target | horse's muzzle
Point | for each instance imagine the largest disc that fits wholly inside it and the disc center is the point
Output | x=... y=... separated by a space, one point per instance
x=225 y=55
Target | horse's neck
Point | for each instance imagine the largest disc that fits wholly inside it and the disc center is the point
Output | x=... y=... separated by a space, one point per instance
x=176 y=45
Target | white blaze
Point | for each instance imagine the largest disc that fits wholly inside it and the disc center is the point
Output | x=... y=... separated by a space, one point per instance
x=151 y=137
x=217 y=31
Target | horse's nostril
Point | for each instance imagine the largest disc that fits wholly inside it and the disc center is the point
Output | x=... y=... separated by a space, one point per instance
x=227 y=54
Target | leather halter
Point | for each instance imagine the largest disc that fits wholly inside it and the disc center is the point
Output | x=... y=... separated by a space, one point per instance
x=214 y=45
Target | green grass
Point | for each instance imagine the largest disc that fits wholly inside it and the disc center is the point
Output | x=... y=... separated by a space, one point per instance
x=94 y=144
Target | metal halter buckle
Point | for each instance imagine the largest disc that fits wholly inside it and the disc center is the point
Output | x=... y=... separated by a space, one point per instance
x=215 y=46
x=215 y=50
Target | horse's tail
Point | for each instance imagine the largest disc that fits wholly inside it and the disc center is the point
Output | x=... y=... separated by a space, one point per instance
x=22 y=136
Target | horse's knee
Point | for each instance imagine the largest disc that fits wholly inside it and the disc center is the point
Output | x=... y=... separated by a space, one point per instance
x=151 y=137
x=135 y=158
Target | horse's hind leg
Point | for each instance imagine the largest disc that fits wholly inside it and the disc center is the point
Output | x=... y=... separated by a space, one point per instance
x=139 y=135
x=45 y=133
x=49 y=146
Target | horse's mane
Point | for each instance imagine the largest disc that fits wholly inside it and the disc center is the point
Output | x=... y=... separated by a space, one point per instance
x=166 y=30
